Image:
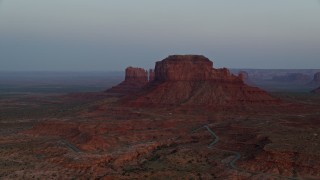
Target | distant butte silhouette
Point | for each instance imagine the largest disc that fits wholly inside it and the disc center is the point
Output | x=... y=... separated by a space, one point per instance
x=192 y=80
x=245 y=78
x=316 y=80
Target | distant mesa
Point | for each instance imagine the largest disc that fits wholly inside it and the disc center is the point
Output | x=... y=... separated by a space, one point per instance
x=190 y=80
x=292 y=78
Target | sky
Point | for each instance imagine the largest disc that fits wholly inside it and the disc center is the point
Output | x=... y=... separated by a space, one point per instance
x=109 y=35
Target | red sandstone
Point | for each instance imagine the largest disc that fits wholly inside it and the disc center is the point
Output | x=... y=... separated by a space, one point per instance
x=135 y=79
x=191 y=80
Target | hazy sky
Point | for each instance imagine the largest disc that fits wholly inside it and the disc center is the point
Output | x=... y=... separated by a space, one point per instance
x=105 y=35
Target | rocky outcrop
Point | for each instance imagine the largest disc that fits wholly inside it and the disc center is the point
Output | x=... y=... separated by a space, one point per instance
x=135 y=79
x=192 y=80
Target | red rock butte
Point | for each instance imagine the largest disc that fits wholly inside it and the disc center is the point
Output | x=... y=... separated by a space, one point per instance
x=192 y=80
x=135 y=79
x=183 y=68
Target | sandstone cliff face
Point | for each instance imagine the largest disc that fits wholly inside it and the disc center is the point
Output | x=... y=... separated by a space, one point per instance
x=136 y=75
x=183 y=68
x=135 y=79
x=191 y=68
x=191 y=80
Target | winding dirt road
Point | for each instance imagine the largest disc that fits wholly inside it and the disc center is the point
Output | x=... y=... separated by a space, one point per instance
x=232 y=163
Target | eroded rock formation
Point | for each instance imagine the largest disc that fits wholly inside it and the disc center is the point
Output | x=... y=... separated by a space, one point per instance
x=192 y=80
x=135 y=79
x=183 y=68
x=137 y=75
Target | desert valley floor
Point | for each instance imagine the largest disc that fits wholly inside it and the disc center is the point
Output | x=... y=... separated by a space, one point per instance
x=92 y=135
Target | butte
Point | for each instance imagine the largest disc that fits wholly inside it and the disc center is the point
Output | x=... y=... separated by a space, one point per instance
x=191 y=80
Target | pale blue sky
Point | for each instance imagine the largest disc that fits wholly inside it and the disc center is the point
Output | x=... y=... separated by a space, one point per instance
x=81 y=35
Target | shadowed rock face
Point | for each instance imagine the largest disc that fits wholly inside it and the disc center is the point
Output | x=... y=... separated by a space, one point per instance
x=191 y=80
x=191 y=68
x=136 y=75
x=183 y=68
x=135 y=79
x=151 y=75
